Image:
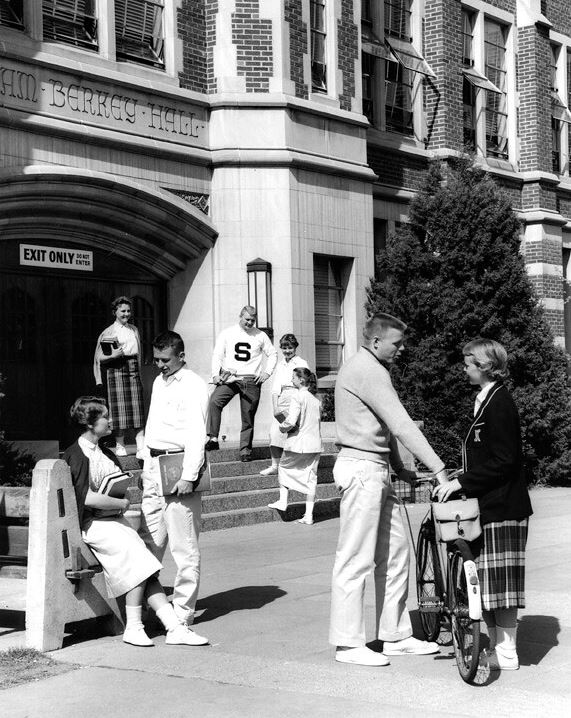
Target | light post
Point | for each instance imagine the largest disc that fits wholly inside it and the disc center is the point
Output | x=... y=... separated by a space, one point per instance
x=260 y=293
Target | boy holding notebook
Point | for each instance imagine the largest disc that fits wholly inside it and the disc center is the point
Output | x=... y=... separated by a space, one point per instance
x=176 y=425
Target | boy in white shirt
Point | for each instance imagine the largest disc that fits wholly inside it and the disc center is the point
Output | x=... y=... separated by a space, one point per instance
x=243 y=359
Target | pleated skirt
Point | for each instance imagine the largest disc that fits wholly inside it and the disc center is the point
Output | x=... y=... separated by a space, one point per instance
x=125 y=394
x=501 y=564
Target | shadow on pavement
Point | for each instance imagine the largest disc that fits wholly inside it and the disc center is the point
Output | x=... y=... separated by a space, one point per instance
x=536 y=636
x=244 y=598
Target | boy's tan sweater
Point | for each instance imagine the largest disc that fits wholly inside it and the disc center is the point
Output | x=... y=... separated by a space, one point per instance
x=368 y=413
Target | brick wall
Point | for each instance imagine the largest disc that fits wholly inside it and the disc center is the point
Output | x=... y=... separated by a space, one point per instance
x=559 y=13
x=252 y=36
x=534 y=81
x=545 y=250
x=507 y=5
x=347 y=52
x=191 y=29
x=298 y=46
x=443 y=94
x=396 y=169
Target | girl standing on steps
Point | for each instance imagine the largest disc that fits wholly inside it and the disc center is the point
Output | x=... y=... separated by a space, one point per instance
x=282 y=389
x=298 y=464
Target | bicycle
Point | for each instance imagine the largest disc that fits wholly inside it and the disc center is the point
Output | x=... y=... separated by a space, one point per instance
x=448 y=593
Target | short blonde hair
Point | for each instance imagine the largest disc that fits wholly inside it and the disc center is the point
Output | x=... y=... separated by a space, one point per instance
x=489 y=356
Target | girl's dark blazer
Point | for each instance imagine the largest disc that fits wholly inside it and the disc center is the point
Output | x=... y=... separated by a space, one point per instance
x=493 y=461
x=79 y=466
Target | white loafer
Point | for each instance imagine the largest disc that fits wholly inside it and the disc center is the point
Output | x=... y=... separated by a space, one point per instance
x=361 y=656
x=184 y=636
x=136 y=636
x=410 y=647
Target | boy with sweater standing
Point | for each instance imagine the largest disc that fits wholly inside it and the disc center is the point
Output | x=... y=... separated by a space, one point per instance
x=238 y=367
x=369 y=418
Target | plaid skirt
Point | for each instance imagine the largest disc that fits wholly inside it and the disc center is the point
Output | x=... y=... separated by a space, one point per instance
x=125 y=394
x=501 y=564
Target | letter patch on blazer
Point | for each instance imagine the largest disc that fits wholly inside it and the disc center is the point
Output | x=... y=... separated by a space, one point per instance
x=477 y=435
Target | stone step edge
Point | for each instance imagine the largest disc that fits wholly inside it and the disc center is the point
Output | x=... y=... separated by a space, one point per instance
x=330 y=501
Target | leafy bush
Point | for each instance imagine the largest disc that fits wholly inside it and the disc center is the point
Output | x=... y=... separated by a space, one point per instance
x=453 y=273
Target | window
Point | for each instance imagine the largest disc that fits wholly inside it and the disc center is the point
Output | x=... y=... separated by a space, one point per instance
x=366 y=11
x=12 y=13
x=73 y=22
x=398 y=98
x=328 y=300
x=368 y=69
x=318 y=39
x=139 y=32
x=496 y=102
x=560 y=115
x=403 y=65
x=397 y=19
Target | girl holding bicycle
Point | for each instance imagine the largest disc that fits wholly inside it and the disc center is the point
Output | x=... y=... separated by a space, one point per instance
x=493 y=472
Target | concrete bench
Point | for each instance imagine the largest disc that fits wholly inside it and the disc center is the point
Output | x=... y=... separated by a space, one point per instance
x=64 y=581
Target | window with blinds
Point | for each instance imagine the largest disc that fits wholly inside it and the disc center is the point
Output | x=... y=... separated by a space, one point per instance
x=73 y=22
x=328 y=292
x=496 y=102
x=318 y=41
x=12 y=13
x=397 y=18
x=139 y=34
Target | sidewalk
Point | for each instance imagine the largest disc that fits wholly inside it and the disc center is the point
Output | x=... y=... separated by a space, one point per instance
x=265 y=609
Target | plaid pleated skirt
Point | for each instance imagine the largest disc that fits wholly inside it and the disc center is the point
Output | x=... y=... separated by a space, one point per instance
x=125 y=394
x=501 y=564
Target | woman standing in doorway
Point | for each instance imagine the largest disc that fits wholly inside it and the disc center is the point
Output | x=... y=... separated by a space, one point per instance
x=282 y=389
x=118 y=351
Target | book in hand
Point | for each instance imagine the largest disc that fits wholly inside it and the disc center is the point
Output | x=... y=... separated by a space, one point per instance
x=107 y=346
x=170 y=467
x=115 y=485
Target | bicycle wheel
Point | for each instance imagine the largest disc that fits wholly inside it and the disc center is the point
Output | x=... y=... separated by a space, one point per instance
x=429 y=588
x=465 y=631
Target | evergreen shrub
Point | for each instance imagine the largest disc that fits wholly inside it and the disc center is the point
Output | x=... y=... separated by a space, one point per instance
x=455 y=272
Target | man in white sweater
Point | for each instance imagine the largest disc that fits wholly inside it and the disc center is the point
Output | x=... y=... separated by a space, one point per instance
x=369 y=417
x=243 y=358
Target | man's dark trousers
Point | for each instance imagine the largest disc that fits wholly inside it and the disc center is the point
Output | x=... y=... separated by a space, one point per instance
x=249 y=399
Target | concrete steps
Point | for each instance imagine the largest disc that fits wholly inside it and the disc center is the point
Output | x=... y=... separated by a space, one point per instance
x=240 y=496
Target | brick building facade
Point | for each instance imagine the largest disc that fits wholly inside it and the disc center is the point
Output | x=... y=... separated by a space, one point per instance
x=170 y=143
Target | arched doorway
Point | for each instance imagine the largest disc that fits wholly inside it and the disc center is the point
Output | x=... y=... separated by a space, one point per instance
x=50 y=324
x=51 y=313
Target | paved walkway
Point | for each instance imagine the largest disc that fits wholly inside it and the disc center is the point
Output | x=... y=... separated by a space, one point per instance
x=265 y=608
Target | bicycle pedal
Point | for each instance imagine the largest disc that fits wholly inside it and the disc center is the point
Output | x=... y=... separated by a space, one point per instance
x=473 y=590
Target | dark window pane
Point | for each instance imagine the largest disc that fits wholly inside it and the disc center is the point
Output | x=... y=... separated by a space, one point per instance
x=12 y=13
x=139 y=33
x=73 y=22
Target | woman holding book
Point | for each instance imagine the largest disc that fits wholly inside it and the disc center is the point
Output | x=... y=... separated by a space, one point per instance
x=130 y=569
x=494 y=474
x=302 y=448
x=118 y=351
x=282 y=389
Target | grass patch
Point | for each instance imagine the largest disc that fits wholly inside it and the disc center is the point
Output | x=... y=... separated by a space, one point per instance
x=23 y=665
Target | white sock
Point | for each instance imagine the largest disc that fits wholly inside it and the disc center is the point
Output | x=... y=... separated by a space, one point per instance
x=133 y=614
x=309 y=509
x=283 y=495
x=167 y=616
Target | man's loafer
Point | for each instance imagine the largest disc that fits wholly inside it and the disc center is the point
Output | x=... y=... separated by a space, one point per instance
x=361 y=656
